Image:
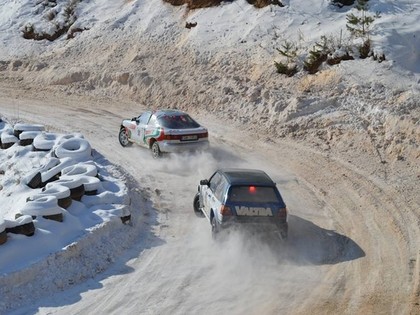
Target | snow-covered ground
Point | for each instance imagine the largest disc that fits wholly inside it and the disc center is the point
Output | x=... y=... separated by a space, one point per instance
x=357 y=121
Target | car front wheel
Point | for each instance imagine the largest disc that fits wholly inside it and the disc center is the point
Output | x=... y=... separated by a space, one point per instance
x=215 y=231
x=123 y=138
x=196 y=205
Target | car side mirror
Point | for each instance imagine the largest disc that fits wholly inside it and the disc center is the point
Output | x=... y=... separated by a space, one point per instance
x=204 y=182
x=134 y=118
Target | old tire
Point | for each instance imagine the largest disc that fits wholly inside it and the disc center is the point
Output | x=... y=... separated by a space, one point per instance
x=64 y=202
x=3 y=237
x=27 y=229
x=36 y=181
x=75 y=148
x=55 y=217
x=123 y=137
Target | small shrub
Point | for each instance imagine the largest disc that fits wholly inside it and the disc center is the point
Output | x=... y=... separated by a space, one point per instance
x=195 y=4
x=342 y=3
x=263 y=3
x=364 y=49
x=59 y=21
x=336 y=59
x=51 y=14
x=28 y=31
x=359 y=25
x=379 y=57
x=315 y=60
x=317 y=56
x=287 y=69
x=289 y=51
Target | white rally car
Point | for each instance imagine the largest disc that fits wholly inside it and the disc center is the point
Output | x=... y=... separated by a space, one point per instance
x=243 y=198
x=164 y=131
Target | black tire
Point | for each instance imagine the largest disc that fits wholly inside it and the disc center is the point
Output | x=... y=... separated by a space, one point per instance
x=36 y=181
x=65 y=202
x=27 y=229
x=77 y=192
x=196 y=205
x=26 y=142
x=7 y=145
x=215 y=230
x=283 y=236
x=3 y=237
x=123 y=138
x=156 y=150
x=55 y=217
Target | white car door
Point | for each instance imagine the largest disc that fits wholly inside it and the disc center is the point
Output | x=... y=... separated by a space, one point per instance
x=139 y=134
x=210 y=195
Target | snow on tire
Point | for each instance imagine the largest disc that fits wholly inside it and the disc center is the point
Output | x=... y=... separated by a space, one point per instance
x=91 y=185
x=43 y=206
x=7 y=140
x=64 y=138
x=44 y=141
x=85 y=169
x=19 y=128
x=75 y=148
x=27 y=137
x=62 y=193
x=54 y=168
x=21 y=225
x=74 y=183
x=34 y=180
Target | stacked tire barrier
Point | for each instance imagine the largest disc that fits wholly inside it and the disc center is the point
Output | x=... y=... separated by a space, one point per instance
x=67 y=174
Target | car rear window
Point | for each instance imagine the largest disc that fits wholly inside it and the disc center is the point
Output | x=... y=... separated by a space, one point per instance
x=177 y=122
x=253 y=194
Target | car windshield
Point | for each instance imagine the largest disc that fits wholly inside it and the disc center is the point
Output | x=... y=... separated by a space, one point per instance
x=252 y=194
x=177 y=122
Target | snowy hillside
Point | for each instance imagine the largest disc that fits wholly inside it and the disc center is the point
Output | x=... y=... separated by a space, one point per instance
x=143 y=51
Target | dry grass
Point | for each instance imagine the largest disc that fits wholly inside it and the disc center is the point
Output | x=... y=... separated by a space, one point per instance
x=264 y=3
x=197 y=4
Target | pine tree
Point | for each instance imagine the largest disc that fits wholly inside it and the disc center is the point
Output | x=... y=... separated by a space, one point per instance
x=288 y=50
x=359 y=25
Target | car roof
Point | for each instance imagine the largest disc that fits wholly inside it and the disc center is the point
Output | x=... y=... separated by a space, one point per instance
x=168 y=112
x=239 y=176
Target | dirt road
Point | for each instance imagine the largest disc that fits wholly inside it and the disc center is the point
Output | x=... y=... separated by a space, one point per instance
x=354 y=241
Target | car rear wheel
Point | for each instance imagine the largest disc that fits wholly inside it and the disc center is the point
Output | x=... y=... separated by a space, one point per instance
x=123 y=138
x=196 y=205
x=156 y=150
x=283 y=236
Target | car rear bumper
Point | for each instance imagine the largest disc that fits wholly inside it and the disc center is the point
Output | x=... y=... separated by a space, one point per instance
x=259 y=225
x=168 y=147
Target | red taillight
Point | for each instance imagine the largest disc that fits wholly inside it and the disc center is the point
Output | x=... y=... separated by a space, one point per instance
x=186 y=137
x=224 y=210
x=283 y=213
x=172 y=137
x=252 y=189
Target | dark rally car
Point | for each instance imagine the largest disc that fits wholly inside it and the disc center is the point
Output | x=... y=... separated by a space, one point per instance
x=242 y=198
